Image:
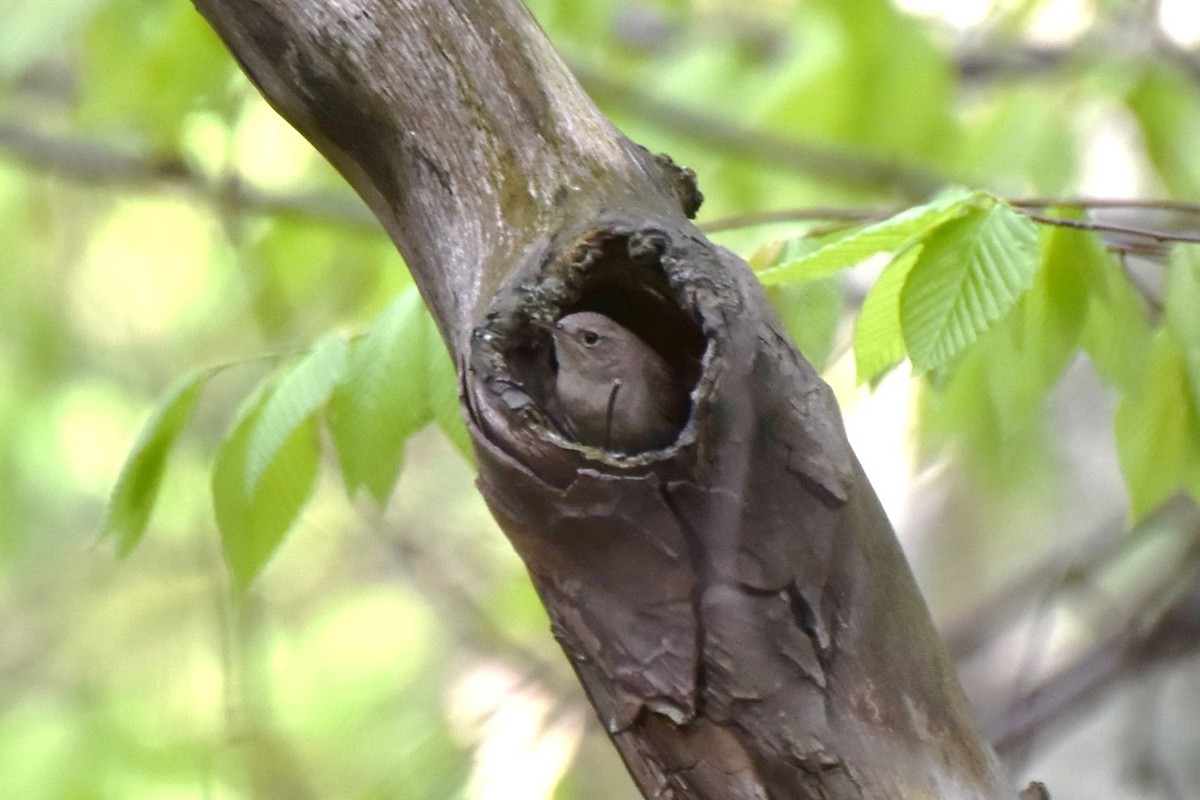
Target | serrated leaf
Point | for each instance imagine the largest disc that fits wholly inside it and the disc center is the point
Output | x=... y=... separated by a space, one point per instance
x=294 y=401
x=968 y=275
x=254 y=523
x=134 y=496
x=810 y=311
x=878 y=340
x=1158 y=441
x=386 y=396
x=778 y=252
x=891 y=235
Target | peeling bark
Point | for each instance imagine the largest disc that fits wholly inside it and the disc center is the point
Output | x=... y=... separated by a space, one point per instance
x=736 y=605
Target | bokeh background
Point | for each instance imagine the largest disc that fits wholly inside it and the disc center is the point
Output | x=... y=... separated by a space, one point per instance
x=156 y=216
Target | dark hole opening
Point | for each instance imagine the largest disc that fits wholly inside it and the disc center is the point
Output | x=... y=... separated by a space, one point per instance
x=633 y=292
x=636 y=295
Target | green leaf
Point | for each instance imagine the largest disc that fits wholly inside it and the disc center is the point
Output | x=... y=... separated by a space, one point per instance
x=1055 y=308
x=1158 y=441
x=293 y=402
x=1183 y=309
x=980 y=404
x=891 y=235
x=878 y=339
x=1016 y=136
x=1117 y=334
x=137 y=487
x=254 y=523
x=969 y=274
x=810 y=311
x=148 y=65
x=1166 y=106
x=1042 y=334
x=400 y=379
x=852 y=79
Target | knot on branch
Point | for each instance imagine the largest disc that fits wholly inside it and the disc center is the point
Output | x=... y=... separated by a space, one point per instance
x=683 y=181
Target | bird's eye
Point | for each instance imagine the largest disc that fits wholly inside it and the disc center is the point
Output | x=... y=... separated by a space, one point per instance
x=590 y=338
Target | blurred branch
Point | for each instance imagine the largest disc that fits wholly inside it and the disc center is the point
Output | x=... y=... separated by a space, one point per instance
x=1163 y=626
x=1114 y=38
x=819 y=162
x=982 y=626
x=985 y=62
x=95 y=163
x=470 y=620
x=1119 y=238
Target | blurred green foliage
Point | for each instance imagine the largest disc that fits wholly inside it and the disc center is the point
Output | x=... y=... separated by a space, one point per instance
x=392 y=648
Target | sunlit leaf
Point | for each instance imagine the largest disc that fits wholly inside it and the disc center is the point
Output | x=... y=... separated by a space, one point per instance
x=878 y=340
x=854 y=78
x=891 y=235
x=1005 y=448
x=294 y=401
x=1166 y=106
x=254 y=523
x=1116 y=334
x=777 y=252
x=400 y=379
x=810 y=311
x=133 y=499
x=1183 y=310
x=1042 y=332
x=1016 y=135
x=969 y=274
x=1158 y=440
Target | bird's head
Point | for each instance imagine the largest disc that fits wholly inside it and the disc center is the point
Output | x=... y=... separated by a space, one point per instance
x=591 y=344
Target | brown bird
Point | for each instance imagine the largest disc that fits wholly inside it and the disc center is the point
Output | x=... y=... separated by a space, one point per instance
x=613 y=390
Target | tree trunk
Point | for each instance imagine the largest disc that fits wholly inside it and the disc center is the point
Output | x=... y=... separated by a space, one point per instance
x=735 y=605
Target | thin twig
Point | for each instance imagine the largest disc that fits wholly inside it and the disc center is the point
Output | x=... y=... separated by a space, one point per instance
x=872 y=215
x=1086 y=203
x=1125 y=230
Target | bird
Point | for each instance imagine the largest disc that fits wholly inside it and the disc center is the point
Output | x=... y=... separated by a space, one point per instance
x=612 y=389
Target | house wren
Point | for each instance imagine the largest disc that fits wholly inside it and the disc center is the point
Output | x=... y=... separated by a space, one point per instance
x=613 y=390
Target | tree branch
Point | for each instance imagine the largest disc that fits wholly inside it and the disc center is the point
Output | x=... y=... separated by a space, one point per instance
x=822 y=163
x=92 y=162
x=1163 y=625
x=735 y=604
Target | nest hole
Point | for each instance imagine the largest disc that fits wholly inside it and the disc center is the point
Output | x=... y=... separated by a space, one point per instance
x=617 y=275
x=635 y=294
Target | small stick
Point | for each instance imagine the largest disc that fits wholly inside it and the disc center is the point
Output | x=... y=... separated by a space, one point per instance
x=608 y=415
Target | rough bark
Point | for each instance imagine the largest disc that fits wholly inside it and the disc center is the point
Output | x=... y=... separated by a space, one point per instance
x=735 y=605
